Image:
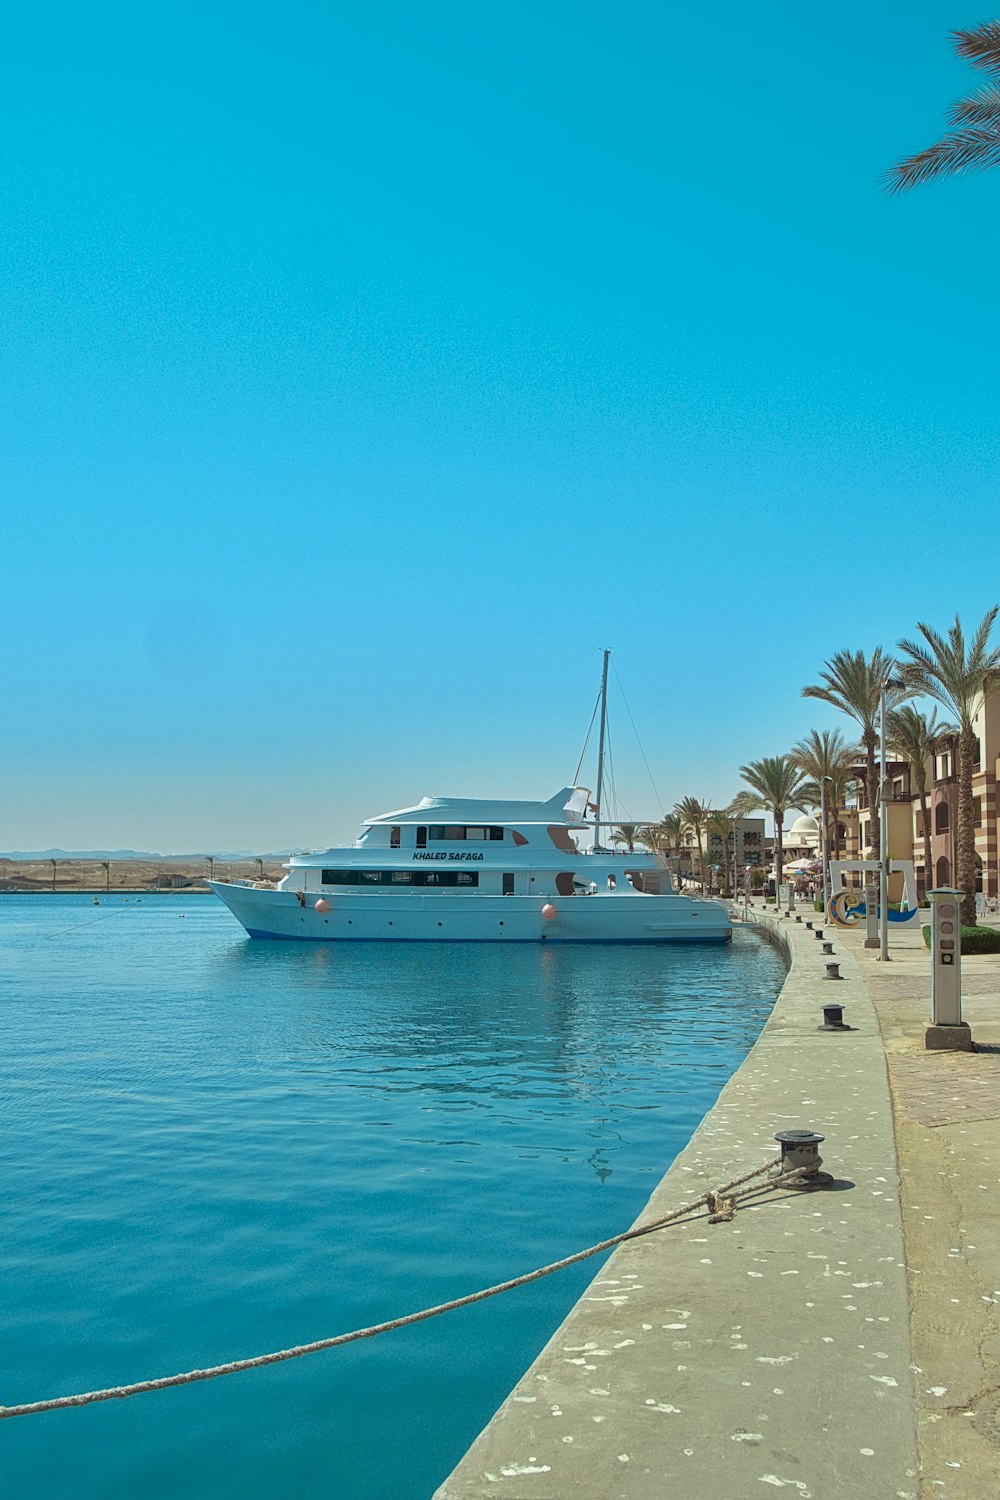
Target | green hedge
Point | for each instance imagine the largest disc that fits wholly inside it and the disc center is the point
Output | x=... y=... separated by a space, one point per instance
x=974 y=939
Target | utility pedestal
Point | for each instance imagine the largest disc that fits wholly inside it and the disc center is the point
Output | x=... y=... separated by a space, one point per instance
x=946 y=1030
x=871 y=916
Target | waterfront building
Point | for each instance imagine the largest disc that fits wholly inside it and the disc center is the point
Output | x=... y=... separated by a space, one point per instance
x=748 y=845
x=906 y=830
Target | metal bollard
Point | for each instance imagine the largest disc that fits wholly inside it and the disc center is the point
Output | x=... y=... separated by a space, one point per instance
x=800 y=1148
x=833 y=971
x=833 y=1019
x=818 y=933
x=809 y=927
x=798 y=919
x=827 y=947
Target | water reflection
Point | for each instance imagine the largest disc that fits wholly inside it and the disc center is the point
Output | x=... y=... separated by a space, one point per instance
x=237 y=1144
x=517 y=1036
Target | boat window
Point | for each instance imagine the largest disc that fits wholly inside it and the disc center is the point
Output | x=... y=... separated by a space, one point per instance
x=439 y=832
x=397 y=878
x=561 y=839
x=518 y=838
x=612 y=883
x=394 y=837
x=564 y=883
x=421 y=837
x=508 y=885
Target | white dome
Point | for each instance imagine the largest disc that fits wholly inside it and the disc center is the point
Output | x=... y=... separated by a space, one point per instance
x=804 y=830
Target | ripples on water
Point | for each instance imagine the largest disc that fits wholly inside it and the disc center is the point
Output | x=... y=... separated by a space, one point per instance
x=213 y=1147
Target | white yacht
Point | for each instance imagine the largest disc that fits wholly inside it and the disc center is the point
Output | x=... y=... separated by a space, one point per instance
x=463 y=870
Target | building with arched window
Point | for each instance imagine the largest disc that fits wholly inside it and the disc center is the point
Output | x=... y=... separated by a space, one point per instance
x=906 y=831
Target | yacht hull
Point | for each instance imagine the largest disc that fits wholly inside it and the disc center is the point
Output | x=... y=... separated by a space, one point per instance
x=382 y=916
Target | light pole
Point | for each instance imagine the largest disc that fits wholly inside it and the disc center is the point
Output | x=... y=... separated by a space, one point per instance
x=883 y=829
x=826 y=847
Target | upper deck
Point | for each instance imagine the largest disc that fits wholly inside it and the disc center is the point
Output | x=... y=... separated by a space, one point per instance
x=464 y=832
x=568 y=807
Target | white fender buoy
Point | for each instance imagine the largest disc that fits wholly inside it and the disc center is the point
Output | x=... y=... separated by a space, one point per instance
x=322 y=904
x=548 y=910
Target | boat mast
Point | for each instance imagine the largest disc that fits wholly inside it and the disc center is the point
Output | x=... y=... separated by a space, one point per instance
x=600 y=755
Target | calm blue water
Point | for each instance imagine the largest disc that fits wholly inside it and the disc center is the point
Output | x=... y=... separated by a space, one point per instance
x=212 y=1147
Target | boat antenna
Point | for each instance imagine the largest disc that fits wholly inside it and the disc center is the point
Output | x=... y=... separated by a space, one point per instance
x=600 y=755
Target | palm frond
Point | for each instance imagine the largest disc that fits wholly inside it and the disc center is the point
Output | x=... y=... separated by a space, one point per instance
x=980 y=45
x=853 y=682
x=962 y=151
x=916 y=736
x=980 y=659
x=981 y=108
x=946 y=671
x=776 y=782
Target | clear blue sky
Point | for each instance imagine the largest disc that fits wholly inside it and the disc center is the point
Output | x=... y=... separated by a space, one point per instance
x=365 y=369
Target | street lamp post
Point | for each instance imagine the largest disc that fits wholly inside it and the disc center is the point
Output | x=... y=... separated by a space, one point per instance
x=883 y=838
x=883 y=829
x=826 y=846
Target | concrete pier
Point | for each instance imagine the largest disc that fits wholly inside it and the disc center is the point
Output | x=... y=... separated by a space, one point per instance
x=777 y=1351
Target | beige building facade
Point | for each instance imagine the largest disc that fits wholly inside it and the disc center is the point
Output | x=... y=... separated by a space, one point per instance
x=906 y=829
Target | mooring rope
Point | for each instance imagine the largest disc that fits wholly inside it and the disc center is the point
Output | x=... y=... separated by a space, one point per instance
x=722 y=1203
x=89 y=922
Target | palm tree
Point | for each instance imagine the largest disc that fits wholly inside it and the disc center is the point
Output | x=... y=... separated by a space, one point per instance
x=723 y=823
x=692 y=814
x=653 y=835
x=673 y=833
x=625 y=833
x=959 y=679
x=825 y=757
x=853 y=683
x=973 y=142
x=776 y=784
x=915 y=738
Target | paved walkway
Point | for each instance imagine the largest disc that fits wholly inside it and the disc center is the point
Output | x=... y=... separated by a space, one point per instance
x=947 y=1124
x=845 y=1342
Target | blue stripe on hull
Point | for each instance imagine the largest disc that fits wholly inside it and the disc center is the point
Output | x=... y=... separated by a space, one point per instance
x=288 y=937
